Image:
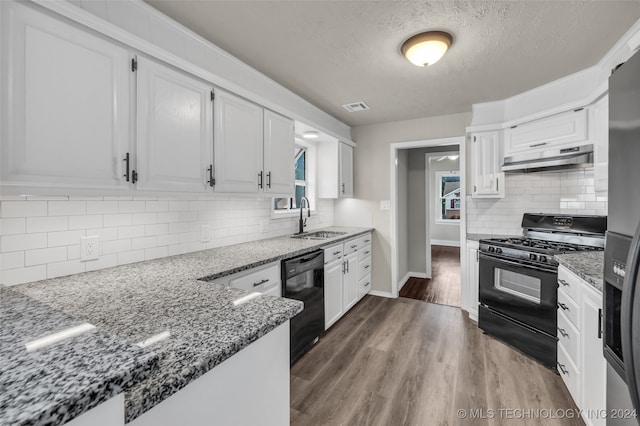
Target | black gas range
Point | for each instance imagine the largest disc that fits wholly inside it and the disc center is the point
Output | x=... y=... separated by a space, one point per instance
x=518 y=279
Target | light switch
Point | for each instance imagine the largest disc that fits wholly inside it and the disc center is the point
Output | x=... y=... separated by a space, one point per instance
x=385 y=205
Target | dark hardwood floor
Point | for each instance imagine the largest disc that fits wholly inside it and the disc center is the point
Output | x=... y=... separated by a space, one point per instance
x=405 y=362
x=444 y=286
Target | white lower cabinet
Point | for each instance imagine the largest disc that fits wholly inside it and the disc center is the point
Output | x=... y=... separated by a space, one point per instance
x=347 y=276
x=581 y=363
x=263 y=279
x=472 y=280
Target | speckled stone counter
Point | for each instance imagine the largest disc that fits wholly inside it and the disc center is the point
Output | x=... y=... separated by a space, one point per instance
x=134 y=302
x=478 y=237
x=54 y=384
x=587 y=265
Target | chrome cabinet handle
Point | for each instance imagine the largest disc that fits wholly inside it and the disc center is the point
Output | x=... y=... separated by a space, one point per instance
x=563 y=332
x=343 y=190
x=563 y=306
x=367 y=252
x=354 y=246
x=336 y=252
x=563 y=282
x=366 y=266
x=367 y=284
x=538 y=144
x=563 y=370
x=269 y=180
x=260 y=179
x=260 y=283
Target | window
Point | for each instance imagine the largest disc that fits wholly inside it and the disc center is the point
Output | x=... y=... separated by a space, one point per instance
x=447 y=197
x=300 y=172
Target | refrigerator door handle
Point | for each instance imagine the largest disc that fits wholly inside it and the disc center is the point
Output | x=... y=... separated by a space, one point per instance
x=629 y=313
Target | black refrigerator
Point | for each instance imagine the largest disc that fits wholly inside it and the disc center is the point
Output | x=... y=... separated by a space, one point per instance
x=622 y=252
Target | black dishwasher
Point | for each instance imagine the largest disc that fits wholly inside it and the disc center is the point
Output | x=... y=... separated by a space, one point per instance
x=303 y=279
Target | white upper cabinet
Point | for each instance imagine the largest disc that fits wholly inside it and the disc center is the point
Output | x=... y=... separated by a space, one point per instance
x=335 y=160
x=238 y=134
x=549 y=132
x=175 y=130
x=600 y=114
x=487 y=181
x=346 y=170
x=65 y=104
x=279 y=142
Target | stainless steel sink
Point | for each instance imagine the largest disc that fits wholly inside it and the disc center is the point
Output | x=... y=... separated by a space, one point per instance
x=318 y=235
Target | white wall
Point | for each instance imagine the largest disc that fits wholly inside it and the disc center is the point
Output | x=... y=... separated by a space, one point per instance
x=40 y=237
x=372 y=179
x=569 y=192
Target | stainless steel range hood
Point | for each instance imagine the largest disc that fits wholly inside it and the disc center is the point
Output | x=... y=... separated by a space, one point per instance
x=550 y=160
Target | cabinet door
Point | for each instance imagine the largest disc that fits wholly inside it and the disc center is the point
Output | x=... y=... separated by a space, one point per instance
x=279 y=140
x=346 y=170
x=65 y=104
x=593 y=365
x=548 y=132
x=473 y=277
x=486 y=159
x=238 y=136
x=601 y=144
x=350 y=281
x=175 y=130
x=333 y=293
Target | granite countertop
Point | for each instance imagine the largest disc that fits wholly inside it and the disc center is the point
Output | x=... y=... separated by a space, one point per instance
x=587 y=265
x=137 y=301
x=478 y=237
x=56 y=383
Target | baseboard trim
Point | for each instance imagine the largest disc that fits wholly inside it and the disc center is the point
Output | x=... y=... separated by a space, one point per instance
x=381 y=294
x=408 y=275
x=445 y=243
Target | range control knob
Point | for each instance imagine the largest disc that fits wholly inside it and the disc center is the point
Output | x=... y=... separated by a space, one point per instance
x=542 y=258
x=498 y=250
x=533 y=256
x=491 y=249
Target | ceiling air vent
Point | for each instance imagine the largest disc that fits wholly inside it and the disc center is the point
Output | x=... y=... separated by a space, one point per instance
x=355 y=106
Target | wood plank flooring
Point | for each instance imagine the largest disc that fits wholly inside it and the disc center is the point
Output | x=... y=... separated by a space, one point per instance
x=444 y=286
x=406 y=362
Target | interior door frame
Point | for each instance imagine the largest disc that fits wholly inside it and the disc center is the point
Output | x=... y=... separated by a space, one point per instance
x=460 y=141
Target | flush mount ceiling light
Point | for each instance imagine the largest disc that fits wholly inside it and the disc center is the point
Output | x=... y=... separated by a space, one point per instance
x=426 y=48
x=310 y=134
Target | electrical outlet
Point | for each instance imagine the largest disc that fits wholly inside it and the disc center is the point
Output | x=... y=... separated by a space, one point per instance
x=385 y=205
x=205 y=233
x=89 y=248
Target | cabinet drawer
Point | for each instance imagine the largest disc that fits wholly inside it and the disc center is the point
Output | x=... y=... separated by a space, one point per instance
x=363 y=241
x=258 y=279
x=364 y=286
x=364 y=267
x=364 y=252
x=275 y=290
x=568 y=307
x=333 y=253
x=568 y=282
x=568 y=337
x=569 y=373
x=350 y=246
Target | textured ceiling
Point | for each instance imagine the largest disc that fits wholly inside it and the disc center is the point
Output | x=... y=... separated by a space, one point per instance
x=337 y=52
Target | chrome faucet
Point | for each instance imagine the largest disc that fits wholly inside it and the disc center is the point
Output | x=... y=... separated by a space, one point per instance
x=303 y=222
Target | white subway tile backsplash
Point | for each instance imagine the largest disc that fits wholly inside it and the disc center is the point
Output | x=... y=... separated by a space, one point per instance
x=11 y=260
x=43 y=256
x=13 y=226
x=65 y=238
x=24 y=208
x=86 y=222
x=22 y=242
x=130 y=257
x=102 y=207
x=66 y=208
x=130 y=230
x=105 y=261
x=24 y=275
x=123 y=219
x=47 y=224
x=60 y=269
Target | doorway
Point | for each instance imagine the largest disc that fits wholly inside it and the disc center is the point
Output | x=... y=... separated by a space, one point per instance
x=403 y=253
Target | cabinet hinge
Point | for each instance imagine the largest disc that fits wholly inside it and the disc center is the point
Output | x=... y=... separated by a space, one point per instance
x=213 y=96
x=134 y=64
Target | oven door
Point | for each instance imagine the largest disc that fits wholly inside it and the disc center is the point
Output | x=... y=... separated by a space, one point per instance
x=521 y=291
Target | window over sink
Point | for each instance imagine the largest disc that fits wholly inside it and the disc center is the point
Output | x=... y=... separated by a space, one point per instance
x=303 y=175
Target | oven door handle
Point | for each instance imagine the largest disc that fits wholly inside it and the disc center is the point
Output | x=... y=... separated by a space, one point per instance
x=630 y=304
x=511 y=262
